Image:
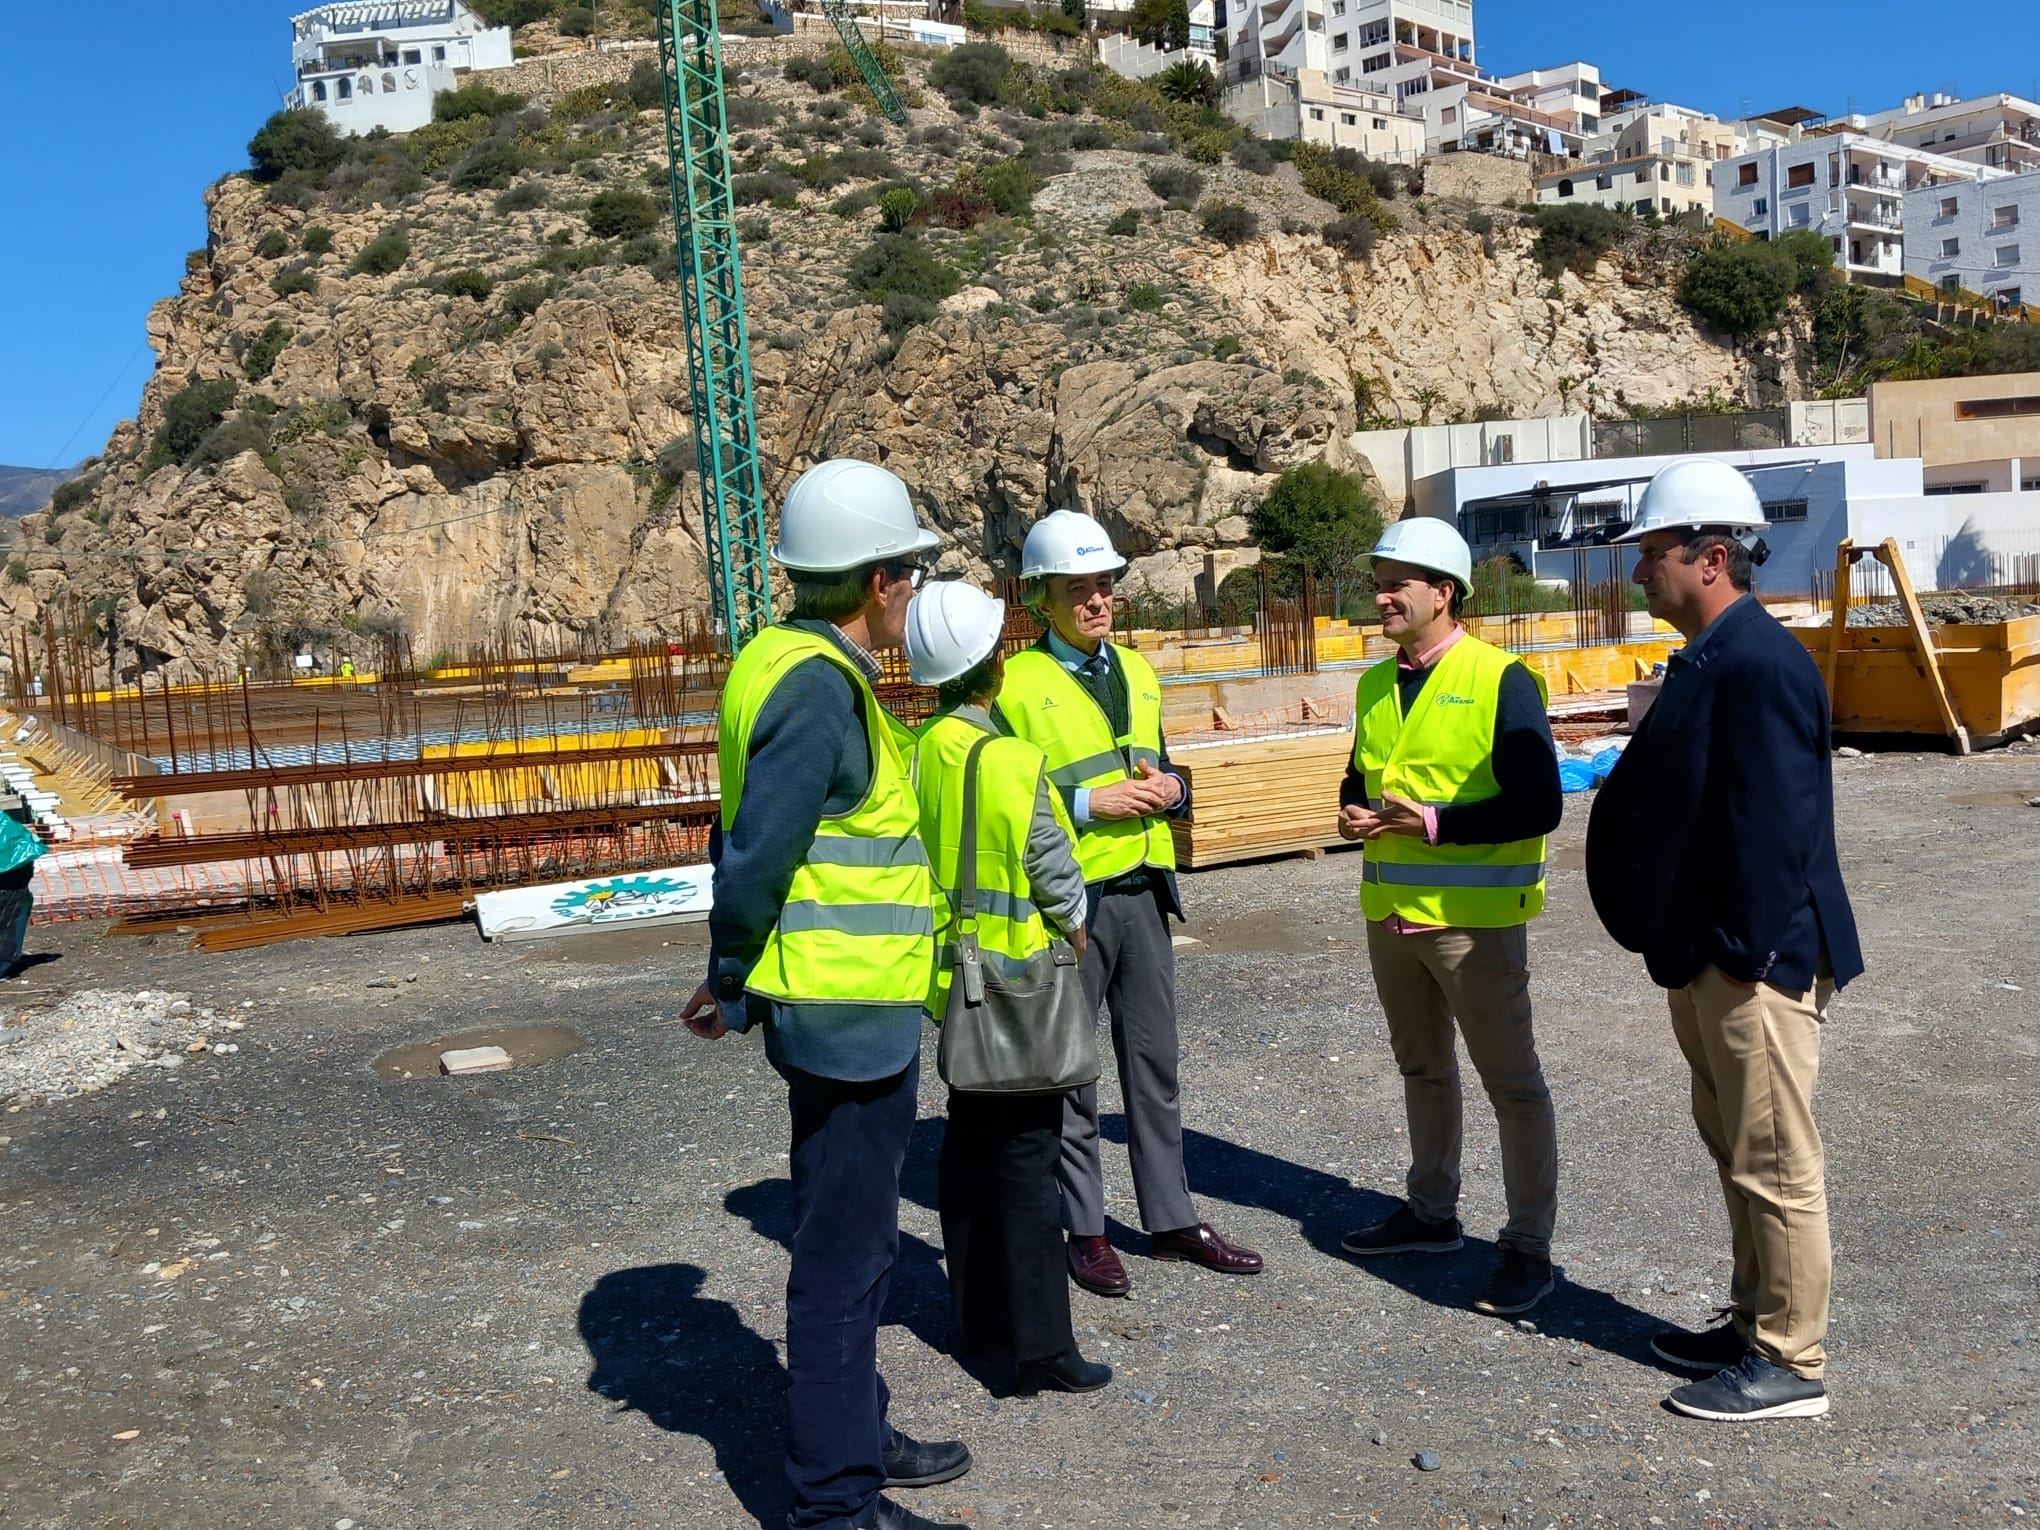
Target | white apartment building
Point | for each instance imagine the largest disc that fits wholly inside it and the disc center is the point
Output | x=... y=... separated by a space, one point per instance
x=1308 y=106
x=1649 y=159
x=2001 y=131
x=1977 y=236
x=1391 y=47
x=1538 y=111
x=378 y=63
x=1847 y=187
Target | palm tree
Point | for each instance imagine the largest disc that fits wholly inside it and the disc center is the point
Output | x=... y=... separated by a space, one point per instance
x=1188 y=82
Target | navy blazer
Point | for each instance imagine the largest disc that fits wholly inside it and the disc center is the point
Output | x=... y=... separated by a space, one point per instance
x=1713 y=840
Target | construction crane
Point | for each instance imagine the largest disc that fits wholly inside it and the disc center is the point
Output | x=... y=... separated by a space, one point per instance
x=712 y=300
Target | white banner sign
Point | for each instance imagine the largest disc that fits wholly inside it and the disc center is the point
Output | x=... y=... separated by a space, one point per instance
x=678 y=895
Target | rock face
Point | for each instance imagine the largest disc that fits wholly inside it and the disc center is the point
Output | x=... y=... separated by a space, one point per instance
x=519 y=464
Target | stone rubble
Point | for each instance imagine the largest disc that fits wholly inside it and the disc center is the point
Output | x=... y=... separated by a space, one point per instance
x=1957 y=608
x=89 y=1039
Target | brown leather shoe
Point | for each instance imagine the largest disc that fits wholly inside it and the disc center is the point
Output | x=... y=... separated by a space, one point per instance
x=1200 y=1245
x=1095 y=1266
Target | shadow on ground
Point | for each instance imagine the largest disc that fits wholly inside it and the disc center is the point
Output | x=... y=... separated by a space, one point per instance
x=692 y=1365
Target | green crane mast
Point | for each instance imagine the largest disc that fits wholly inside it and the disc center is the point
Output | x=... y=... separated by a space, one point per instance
x=860 y=53
x=712 y=303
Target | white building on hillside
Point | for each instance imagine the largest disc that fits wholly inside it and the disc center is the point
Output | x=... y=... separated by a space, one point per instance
x=378 y=63
x=2001 y=131
x=1308 y=106
x=1977 y=236
x=1389 y=47
x=1849 y=188
x=1648 y=159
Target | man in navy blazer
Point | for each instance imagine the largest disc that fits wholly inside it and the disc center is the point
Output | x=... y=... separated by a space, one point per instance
x=1711 y=851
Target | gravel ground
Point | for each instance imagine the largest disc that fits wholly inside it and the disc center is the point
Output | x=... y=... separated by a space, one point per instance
x=1944 y=610
x=283 y=1288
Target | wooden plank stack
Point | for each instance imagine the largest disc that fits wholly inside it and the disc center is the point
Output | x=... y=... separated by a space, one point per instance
x=1272 y=795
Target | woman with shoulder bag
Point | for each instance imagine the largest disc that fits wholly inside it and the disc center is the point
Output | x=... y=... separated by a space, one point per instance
x=1016 y=1033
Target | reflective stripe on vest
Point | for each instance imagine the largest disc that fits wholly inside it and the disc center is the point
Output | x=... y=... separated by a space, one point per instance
x=1048 y=706
x=858 y=923
x=1009 y=925
x=1441 y=754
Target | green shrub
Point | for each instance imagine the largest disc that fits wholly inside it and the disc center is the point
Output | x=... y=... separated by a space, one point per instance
x=1341 y=177
x=17 y=571
x=525 y=298
x=522 y=197
x=1742 y=288
x=473 y=100
x=273 y=245
x=981 y=73
x=1252 y=156
x=567 y=259
x=469 y=283
x=383 y=255
x=1228 y=223
x=1126 y=223
x=247 y=431
x=1351 y=237
x=1225 y=346
x=1174 y=183
x=1007 y=184
x=495 y=163
x=261 y=358
x=576 y=21
x=959 y=206
x=623 y=214
x=812 y=70
x=896 y=209
x=903 y=310
x=774 y=186
x=644 y=89
x=900 y=263
x=1145 y=297
x=1189 y=82
x=317 y=241
x=299 y=143
x=292 y=280
x=512 y=13
x=652 y=250
x=189 y=416
x=1320 y=517
x=1575 y=237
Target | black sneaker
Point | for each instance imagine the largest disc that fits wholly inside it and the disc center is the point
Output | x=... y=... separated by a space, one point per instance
x=1404 y=1233
x=909 y=1462
x=1710 y=1350
x=1519 y=1283
x=1752 y=1388
x=897 y=1516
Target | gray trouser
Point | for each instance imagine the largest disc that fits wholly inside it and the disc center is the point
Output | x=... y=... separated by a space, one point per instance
x=1130 y=967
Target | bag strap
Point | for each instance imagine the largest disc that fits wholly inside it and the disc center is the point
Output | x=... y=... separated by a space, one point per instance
x=967 y=852
x=971 y=969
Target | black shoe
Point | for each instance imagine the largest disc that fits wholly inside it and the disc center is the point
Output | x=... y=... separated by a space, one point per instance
x=897 y=1516
x=910 y=1463
x=1752 y=1388
x=1710 y=1350
x=1404 y=1233
x=1519 y=1283
x=1070 y=1372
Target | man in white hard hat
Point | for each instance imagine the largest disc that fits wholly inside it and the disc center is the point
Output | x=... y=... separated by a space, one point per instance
x=1453 y=787
x=822 y=933
x=1095 y=709
x=1001 y=1230
x=1711 y=851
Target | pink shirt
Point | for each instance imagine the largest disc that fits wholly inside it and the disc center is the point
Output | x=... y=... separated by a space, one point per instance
x=1404 y=663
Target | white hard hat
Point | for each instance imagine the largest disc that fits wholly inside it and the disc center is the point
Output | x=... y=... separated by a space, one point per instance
x=1697 y=492
x=1426 y=542
x=1067 y=542
x=843 y=514
x=951 y=629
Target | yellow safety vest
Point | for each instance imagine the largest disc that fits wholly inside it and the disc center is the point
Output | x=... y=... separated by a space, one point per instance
x=1441 y=754
x=1048 y=706
x=1010 y=928
x=858 y=923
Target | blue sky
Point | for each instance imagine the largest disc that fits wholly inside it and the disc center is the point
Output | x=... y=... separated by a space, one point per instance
x=105 y=164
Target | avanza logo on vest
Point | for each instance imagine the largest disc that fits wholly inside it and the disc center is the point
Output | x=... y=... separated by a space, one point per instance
x=1455 y=701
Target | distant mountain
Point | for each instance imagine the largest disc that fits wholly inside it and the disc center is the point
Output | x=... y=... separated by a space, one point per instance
x=23 y=491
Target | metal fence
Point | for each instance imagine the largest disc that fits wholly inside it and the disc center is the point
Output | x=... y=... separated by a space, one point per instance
x=1750 y=430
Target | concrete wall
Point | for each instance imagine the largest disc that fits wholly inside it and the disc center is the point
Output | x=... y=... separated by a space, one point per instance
x=1925 y=419
x=1956 y=233
x=1830 y=422
x=1957 y=541
x=1407 y=458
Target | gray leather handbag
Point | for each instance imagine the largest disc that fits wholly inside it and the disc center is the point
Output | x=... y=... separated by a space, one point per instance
x=1010 y=1027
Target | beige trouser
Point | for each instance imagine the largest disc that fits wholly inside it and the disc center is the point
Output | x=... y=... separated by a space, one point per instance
x=1755 y=1053
x=1427 y=979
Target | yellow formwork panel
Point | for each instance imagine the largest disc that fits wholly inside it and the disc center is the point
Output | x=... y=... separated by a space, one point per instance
x=541 y=788
x=1992 y=673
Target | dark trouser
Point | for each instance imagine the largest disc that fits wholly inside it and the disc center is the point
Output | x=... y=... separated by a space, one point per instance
x=849 y=1141
x=1131 y=968
x=1001 y=1234
x=16 y=903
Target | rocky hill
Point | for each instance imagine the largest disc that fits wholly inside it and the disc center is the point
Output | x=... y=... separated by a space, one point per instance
x=440 y=382
x=23 y=490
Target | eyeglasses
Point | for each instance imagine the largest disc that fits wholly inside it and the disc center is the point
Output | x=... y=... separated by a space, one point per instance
x=913 y=573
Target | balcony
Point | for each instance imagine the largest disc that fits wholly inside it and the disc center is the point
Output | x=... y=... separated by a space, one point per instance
x=1875 y=218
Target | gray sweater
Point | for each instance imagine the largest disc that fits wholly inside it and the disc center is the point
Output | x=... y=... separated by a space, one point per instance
x=810 y=758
